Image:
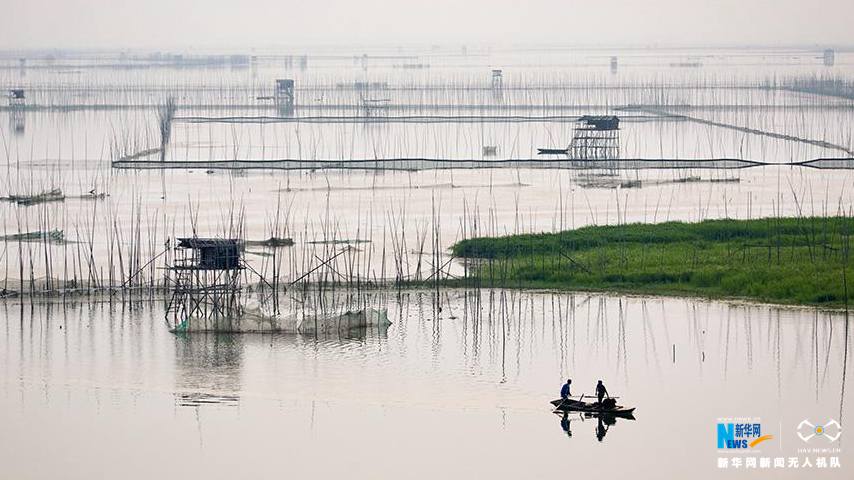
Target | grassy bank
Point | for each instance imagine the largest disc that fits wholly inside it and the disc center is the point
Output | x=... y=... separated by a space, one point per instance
x=781 y=260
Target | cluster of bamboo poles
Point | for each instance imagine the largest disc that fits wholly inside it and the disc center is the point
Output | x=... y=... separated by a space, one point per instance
x=452 y=93
x=130 y=251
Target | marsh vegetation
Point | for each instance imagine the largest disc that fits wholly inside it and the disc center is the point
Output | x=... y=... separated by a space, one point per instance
x=782 y=260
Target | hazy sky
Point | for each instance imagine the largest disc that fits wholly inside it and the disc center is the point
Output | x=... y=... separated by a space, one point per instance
x=265 y=23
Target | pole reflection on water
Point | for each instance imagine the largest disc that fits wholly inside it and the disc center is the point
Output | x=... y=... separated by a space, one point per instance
x=105 y=381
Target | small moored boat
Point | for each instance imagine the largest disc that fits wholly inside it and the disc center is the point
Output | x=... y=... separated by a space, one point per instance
x=552 y=151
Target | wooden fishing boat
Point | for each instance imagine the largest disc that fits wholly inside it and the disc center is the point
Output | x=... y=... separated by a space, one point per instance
x=570 y=405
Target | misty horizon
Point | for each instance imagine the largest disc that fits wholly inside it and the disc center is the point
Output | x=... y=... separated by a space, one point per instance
x=263 y=24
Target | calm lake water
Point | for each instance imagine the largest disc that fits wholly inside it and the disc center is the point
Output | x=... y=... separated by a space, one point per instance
x=103 y=390
x=97 y=389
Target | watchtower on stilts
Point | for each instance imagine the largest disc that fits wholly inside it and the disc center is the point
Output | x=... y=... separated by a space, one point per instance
x=284 y=96
x=596 y=138
x=498 y=85
x=17 y=103
x=206 y=275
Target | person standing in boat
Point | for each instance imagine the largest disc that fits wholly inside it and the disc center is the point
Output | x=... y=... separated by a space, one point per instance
x=601 y=391
x=564 y=390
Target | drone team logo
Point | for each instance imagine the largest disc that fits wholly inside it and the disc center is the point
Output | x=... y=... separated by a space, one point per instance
x=830 y=431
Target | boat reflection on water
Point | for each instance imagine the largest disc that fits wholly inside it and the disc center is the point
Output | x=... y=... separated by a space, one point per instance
x=604 y=421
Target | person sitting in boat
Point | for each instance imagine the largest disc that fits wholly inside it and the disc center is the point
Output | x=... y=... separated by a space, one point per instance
x=564 y=390
x=601 y=391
